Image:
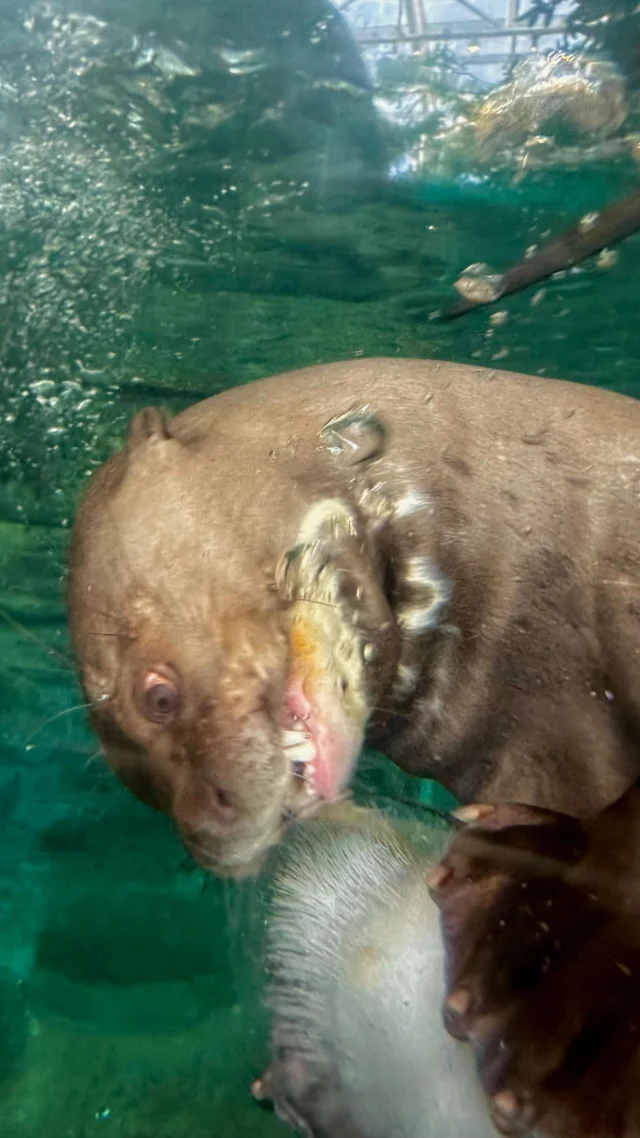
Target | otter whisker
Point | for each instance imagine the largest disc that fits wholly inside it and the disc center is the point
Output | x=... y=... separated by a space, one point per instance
x=37 y=640
x=397 y=714
x=195 y=849
x=52 y=719
x=94 y=758
x=104 y=635
x=402 y=800
x=107 y=615
x=312 y=601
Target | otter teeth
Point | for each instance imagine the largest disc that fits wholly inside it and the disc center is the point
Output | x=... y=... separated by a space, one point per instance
x=293 y=738
x=300 y=751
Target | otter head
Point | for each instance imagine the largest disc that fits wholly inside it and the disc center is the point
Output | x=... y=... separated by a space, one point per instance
x=232 y=634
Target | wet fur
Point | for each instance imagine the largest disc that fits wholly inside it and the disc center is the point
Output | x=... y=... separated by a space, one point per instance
x=489 y=565
x=356 y=966
x=541 y=921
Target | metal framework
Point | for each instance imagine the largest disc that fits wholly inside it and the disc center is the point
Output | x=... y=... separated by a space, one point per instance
x=485 y=35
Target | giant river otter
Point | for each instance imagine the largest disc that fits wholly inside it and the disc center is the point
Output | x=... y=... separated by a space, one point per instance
x=445 y=561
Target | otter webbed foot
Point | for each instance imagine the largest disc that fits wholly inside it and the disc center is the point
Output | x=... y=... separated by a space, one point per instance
x=541 y=921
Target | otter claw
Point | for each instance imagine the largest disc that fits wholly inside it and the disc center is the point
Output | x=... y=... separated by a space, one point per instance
x=459 y=1002
x=510 y=1116
x=437 y=877
x=258 y=1090
x=472 y=813
x=455 y=1009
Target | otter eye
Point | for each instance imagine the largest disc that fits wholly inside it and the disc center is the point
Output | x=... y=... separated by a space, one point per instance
x=161 y=698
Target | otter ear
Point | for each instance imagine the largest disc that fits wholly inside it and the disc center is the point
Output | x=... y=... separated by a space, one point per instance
x=148 y=426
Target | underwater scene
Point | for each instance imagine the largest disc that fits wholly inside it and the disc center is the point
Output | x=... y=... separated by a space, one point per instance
x=195 y=195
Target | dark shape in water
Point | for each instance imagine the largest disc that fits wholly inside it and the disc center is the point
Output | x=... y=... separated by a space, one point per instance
x=133 y=962
x=589 y=236
x=247 y=81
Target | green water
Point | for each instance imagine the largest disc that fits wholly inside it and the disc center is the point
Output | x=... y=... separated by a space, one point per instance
x=152 y=254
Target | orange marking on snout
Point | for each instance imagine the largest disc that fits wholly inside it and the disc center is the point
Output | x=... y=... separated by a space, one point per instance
x=304 y=651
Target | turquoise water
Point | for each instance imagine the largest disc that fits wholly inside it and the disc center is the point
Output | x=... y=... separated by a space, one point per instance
x=164 y=234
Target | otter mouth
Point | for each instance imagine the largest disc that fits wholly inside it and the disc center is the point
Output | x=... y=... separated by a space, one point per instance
x=301 y=753
x=320 y=761
x=321 y=754
x=300 y=747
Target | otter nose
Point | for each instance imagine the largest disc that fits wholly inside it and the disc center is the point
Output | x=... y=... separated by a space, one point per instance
x=203 y=807
x=217 y=803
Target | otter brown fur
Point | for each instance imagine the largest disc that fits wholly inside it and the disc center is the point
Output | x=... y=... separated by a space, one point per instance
x=541 y=920
x=444 y=559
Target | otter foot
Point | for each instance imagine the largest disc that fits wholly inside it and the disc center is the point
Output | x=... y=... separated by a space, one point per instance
x=280 y=1087
x=541 y=921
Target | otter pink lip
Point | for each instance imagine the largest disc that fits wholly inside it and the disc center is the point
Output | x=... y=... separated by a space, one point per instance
x=318 y=756
x=297 y=707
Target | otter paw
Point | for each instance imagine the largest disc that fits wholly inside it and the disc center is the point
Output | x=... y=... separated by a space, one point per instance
x=541 y=922
x=287 y=1088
